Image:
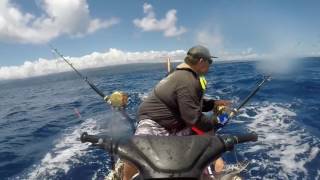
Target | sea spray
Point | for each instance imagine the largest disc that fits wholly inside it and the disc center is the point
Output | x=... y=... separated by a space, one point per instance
x=116 y=124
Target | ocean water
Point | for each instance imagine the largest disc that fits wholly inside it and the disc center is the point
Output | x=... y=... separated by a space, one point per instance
x=42 y=118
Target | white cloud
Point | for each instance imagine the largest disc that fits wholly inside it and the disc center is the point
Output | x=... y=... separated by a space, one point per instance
x=211 y=39
x=101 y=59
x=71 y=17
x=111 y=57
x=166 y=25
x=93 y=60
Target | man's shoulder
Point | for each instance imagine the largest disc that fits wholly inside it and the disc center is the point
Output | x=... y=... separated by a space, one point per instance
x=183 y=74
x=185 y=77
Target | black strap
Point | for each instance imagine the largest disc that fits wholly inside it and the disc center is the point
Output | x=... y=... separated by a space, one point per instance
x=190 y=70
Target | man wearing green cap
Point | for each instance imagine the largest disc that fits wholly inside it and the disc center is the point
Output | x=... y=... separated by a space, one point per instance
x=176 y=104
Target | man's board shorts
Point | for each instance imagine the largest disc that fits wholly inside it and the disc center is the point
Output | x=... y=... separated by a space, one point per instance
x=150 y=127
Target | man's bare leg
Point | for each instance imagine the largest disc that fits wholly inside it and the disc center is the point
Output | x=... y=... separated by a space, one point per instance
x=219 y=165
x=129 y=171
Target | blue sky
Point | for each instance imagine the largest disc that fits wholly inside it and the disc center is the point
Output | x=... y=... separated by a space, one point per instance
x=237 y=29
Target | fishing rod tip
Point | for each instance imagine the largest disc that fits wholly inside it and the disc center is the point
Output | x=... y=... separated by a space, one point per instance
x=267 y=77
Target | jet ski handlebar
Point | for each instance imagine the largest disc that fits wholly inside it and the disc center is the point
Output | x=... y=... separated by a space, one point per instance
x=230 y=140
x=85 y=137
x=105 y=143
x=177 y=157
x=247 y=137
x=109 y=144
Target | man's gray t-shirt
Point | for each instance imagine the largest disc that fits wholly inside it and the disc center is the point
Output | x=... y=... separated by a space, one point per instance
x=176 y=102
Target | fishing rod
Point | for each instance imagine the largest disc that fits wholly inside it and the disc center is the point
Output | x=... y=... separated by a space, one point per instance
x=265 y=79
x=116 y=99
x=223 y=113
x=85 y=78
x=253 y=92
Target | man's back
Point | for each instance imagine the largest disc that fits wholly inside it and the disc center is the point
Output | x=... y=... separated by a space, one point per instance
x=177 y=92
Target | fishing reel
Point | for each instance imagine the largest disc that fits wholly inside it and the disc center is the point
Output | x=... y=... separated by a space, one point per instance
x=218 y=110
x=223 y=114
x=117 y=99
x=225 y=110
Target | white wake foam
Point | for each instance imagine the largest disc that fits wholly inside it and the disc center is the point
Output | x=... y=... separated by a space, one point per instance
x=65 y=153
x=284 y=146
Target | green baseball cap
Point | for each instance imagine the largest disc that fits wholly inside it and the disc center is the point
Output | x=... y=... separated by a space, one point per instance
x=201 y=52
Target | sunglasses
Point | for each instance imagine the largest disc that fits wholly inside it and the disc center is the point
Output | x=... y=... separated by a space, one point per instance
x=209 y=61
